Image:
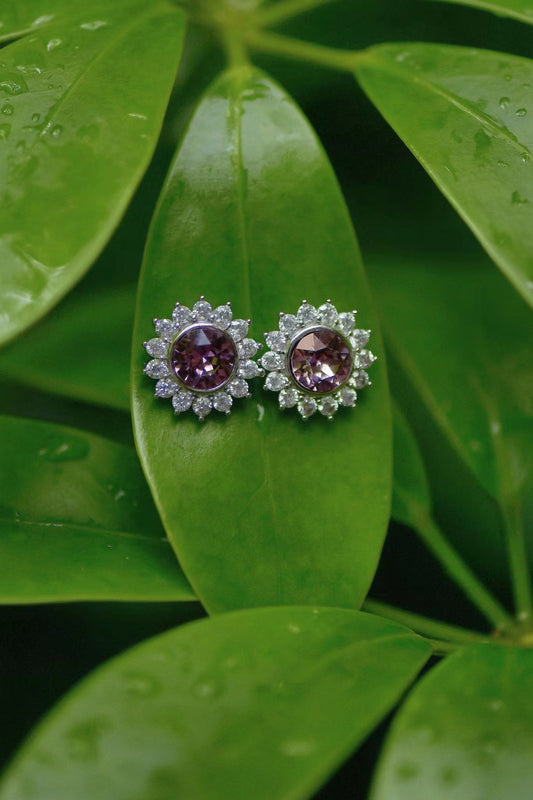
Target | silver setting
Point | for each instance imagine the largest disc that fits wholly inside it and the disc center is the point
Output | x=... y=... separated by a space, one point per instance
x=169 y=385
x=281 y=343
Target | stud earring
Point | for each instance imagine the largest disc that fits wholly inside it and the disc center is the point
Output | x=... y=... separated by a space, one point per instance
x=317 y=360
x=201 y=358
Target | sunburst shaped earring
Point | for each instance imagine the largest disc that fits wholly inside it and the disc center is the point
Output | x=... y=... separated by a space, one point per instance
x=317 y=360
x=201 y=358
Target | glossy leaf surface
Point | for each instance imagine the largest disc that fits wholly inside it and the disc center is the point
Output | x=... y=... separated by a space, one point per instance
x=263 y=703
x=473 y=367
x=516 y=9
x=467 y=115
x=465 y=731
x=80 y=350
x=410 y=485
x=73 y=148
x=262 y=508
x=77 y=521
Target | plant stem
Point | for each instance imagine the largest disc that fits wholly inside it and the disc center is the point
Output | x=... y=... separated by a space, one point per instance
x=518 y=559
x=424 y=625
x=274 y=44
x=287 y=9
x=235 y=48
x=461 y=573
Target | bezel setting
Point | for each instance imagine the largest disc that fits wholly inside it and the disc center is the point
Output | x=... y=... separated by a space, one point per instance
x=277 y=361
x=201 y=317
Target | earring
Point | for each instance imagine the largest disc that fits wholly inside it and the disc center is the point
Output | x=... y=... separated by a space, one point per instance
x=317 y=360
x=201 y=358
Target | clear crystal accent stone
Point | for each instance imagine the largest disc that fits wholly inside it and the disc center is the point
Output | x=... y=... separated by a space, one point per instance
x=201 y=310
x=221 y=316
x=164 y=388
x=307 y=407
x=157 y=369
x=307 y=314
x=288 y=398
x=249 y=348
x=360 y=379
x=273 y=361
x=346 y=322
x=182 y=401
x=238 y=387
x=201 y=406
x=328 y=406
x=348 y=397
x=223 y=402
x=249 y=370
x=360 y=338
x=238 y=329
x=328 y=314
x=364 y=359
x=182 y=315
x=276 y=340
x=156 y=348
x=288 y=324
x=165 y=328
x=276 y=381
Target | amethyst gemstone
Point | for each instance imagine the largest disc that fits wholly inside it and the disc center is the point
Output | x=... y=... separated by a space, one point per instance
x=320 y=361
x=203 y=358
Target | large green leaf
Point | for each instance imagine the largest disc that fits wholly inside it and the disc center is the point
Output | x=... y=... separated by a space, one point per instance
x=82 y=109
x=473 y=365
x=261 y=507
x=77 y=521
x=465 y=731
x=410 y=494
x=263 y=703
x=516 y=9
x=467 y=115
x=80 y=350
x=27 y=16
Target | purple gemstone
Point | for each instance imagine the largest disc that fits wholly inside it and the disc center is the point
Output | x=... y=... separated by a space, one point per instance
x=320 y=361
x=203 y=358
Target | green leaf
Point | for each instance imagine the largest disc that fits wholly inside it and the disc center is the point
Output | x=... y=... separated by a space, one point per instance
x=53 y=357
x=410 y=493
x=473 y=365
x=516 y=9
x=465 y=731
x=262 y=508
x=263 y=703
x=82 y=108
x=467 y=115
x=77 y=521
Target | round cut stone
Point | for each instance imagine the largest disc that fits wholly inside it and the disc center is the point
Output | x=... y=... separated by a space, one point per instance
x=203 y=358
x=320 y=361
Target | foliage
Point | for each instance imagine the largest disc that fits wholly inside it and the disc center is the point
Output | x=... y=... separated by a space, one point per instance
x=276 y=526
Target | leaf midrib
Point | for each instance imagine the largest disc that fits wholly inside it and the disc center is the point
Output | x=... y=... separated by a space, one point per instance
x=450 y=97
x=69 y=527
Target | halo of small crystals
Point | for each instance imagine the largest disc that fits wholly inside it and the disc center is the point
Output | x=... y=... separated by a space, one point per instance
x=281 y=342
x=168 y=384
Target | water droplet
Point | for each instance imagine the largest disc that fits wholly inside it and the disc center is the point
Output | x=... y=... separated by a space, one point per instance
x=120 y=494
x=503 y=164
x=297 y=748
x=294 y=628
x=521 y=112
x=135 y=115
x=206 y=689
x=508 y=77
x=83 y=740
x=65 y=450
x=53 y=44
x=94 y=25
x=5 y=130
x=29 y=69
x=7 y=109
x=43 y=20
x=525 y=158
x=35 y=117
x=504 y=102
x=13 y=87
x=139 y=685
x=56 y=131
